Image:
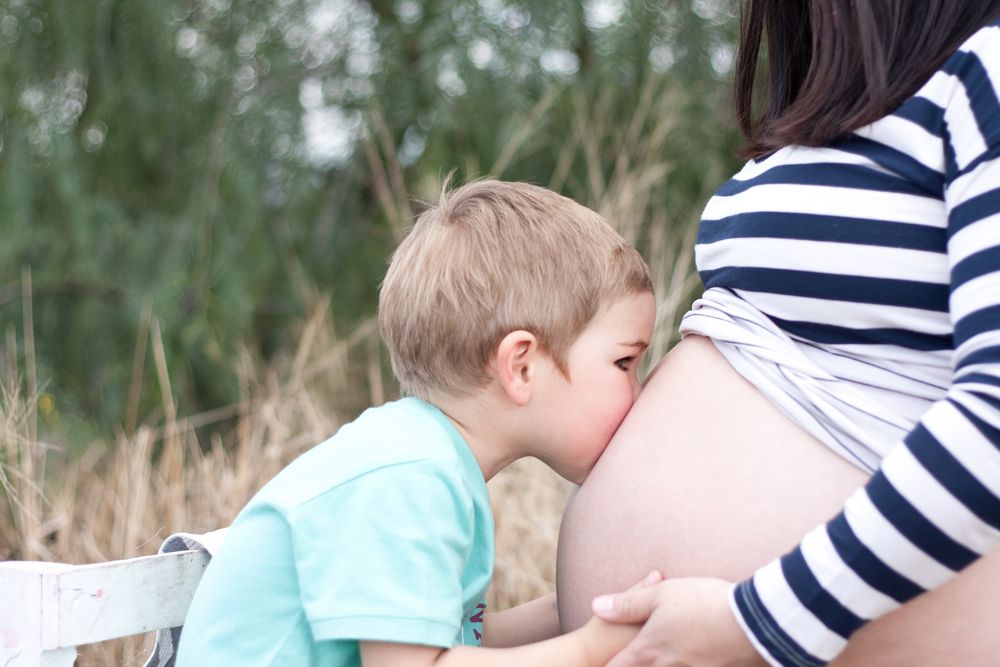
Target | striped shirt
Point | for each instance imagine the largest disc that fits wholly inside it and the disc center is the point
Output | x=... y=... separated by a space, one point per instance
x=857 y=285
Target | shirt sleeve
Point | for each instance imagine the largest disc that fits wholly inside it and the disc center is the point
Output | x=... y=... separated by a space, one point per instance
x=390 y=567
x=933 y=507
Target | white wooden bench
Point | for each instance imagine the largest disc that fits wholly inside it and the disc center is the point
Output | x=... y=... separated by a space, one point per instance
x=48 y=609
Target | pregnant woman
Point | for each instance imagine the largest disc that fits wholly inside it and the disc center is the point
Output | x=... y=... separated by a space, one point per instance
x=827 y=433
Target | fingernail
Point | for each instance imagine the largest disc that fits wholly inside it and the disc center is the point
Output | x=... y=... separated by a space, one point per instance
x=653 y=577
x=603 y=605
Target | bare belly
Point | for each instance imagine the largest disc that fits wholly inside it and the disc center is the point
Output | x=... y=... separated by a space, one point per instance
x=706 y=477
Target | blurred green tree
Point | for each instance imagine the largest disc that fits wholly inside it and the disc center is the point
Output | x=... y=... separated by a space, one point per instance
x=220 y=164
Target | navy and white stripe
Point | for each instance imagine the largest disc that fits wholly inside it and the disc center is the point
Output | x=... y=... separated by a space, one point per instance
x=858 y=286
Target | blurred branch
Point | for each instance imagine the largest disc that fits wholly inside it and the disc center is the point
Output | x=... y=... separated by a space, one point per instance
x=387 y=175
x=524 y=130
x=68 y=287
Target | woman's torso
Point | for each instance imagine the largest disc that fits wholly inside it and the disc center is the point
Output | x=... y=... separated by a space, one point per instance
x=706 y=475
x=827 y=276
x=726 y=484
x=819 y=264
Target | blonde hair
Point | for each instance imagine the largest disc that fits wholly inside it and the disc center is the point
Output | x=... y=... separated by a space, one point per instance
x=490 y=258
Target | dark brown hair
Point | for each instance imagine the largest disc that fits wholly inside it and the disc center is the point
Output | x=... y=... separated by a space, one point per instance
x=836 y=65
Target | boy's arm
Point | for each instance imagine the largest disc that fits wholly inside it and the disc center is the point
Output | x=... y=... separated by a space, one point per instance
x=593 y=645
x=526 y=623
x=534 y=621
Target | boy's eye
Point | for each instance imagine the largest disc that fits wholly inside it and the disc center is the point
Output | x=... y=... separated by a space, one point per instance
x=625 y=363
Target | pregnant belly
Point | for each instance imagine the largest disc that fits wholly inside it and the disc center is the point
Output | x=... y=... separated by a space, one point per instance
x=704 y=477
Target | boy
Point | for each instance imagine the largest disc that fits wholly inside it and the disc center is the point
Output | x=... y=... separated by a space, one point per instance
x=515 y=320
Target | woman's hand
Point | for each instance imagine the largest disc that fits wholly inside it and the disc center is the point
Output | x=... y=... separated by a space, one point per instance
x=689 y=625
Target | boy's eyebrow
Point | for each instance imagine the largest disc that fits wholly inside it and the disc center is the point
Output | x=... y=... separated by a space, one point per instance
x=641 y=344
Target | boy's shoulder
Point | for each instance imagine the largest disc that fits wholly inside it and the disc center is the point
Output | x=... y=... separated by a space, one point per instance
x=407 y=431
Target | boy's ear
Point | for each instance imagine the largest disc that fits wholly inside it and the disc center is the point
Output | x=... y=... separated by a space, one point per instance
x=515 y=364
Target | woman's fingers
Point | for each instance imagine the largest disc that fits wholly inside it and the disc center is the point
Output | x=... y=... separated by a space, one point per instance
x=633 y=606
x=609 y=607
x=651 y=647
x=686 y=623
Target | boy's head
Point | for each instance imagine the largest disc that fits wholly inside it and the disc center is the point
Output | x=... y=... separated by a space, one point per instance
x=490 y=258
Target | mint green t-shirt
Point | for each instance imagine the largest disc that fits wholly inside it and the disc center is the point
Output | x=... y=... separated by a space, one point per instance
x=383 y=532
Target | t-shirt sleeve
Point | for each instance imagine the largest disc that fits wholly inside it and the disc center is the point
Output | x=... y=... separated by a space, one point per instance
x=381 y=557
x=933 y=507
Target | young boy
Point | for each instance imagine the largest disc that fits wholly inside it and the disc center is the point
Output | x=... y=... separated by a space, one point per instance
x=515 y=319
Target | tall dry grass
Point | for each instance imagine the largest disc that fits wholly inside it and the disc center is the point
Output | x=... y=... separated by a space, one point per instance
x=154 y=477
x=121 y=500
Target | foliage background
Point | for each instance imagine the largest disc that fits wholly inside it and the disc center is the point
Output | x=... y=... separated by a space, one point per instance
x=219 y=164
x=198 y=199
